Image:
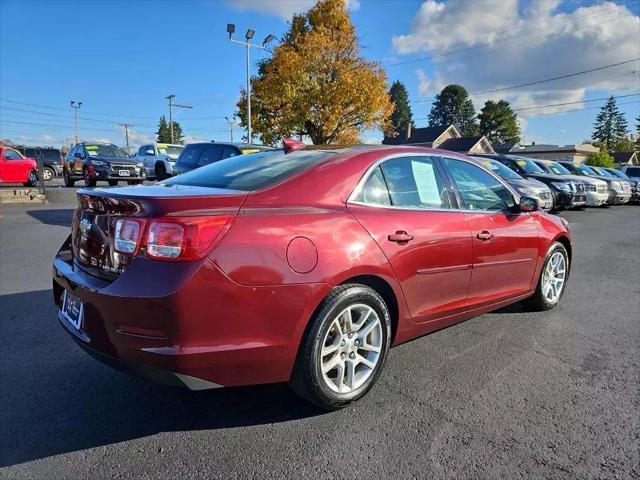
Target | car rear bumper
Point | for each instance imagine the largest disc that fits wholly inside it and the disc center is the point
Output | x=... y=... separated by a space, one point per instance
x=171 y=320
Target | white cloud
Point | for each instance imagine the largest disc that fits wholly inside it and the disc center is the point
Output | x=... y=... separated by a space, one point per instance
x=284 y=9
x=500 y=44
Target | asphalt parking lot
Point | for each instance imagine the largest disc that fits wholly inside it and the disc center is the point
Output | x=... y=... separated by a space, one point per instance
x=507 y=395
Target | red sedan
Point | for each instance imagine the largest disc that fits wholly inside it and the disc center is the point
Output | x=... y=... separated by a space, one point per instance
x=303 y=267
x=14 y=168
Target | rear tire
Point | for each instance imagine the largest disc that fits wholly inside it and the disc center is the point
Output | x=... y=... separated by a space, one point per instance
x=48 y=174
x=347 y=338
x=553 y=279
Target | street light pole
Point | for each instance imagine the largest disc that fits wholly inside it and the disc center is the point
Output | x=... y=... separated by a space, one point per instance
x=76 y=106
x=126 y=133
x=231 y=28
x=231 y=123
x=171 y=107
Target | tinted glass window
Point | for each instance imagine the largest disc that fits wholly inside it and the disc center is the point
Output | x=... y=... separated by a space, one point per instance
x=228 y=152
x=633 y=171
x=251 y=172
x=558 y=169
x=527 y=165
x=50 y=154
x=12 y=155
x=190 y=155
x=210 y=155
x=414 y=182
x=478 y=189
x=30 y=152
x=617 y=173
x=602 y=171
x=374 y=190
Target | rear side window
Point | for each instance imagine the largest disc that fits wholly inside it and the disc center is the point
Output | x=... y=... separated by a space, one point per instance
x=632 y=171
x=414 y=182
x=190 y=156
x=253 y=171
x=374 y=191
x=229 y=152
x=478 y=189
x=210 y=155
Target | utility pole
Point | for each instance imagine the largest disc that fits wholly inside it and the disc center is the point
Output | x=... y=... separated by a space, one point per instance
x=231 y=123
x=171 y=107
x=248 y=45
x=126 y=133
x=76 y=106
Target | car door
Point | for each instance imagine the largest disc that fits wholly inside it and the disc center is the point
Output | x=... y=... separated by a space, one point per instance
x=505 y=241
x=405 y=205
x=14 y=168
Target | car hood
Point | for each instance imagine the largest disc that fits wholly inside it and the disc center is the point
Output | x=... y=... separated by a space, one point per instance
x=547 y=176
x=527 y=183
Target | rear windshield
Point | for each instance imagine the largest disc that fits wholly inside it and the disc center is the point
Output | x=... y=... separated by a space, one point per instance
x=500 y=169
x=252 y=171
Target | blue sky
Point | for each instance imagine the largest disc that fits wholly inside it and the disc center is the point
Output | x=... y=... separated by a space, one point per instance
x=121 y=59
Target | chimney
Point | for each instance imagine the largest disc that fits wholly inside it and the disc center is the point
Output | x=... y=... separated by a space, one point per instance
x=408 y=131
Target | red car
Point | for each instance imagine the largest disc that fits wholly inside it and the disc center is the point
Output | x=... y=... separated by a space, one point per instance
x=14 y=168
x=302 y=267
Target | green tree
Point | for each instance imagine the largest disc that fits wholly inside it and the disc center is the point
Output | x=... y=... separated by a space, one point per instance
x=498 y=122
x=401 y=115
x=164 y=133
x=453 y=106
x=610 y=126
x=317 y=84
x=624 y=144
x=600 y=159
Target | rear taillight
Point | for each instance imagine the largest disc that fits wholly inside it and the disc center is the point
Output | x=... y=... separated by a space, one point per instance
x=127 y=235
x=170 y=239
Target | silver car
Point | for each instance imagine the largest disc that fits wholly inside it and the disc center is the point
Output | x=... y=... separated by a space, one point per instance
x=596 y=190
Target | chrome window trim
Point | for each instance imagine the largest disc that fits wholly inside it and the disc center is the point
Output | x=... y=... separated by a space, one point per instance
x=356 y=191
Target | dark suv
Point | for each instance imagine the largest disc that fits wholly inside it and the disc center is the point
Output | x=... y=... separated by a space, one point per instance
x=50 y=158
x=95 y=161
x=197 y=155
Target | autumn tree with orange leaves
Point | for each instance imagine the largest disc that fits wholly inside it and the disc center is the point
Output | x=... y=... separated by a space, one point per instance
x=316 y=83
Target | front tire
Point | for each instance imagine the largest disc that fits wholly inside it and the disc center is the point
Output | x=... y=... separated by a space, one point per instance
x=48 y=174
x=32 y=179
x=161 y=172
x=553 y=279
x=68 y=182
x=88 y=181
x=344 y=348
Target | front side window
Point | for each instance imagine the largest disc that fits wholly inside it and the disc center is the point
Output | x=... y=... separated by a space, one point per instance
x=189 y=156
x=104 y=150
x=12 y=155
x=478 y=189
x=414 y=182
x=229 y=152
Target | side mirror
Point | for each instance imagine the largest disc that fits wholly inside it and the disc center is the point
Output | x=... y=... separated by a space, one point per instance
x=77 y=155
x=528 y=204
x=150 y=152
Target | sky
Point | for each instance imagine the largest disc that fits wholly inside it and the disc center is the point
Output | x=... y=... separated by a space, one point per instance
x=122 y=58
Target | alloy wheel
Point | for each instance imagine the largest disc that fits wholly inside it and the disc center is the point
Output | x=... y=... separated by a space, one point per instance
x=554 y=277
x=351 y=348
x=46 y=174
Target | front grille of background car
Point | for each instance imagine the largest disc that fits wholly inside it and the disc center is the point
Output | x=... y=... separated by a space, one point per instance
x=579 y=187
x=602 y=188
x=130 y=168
x=626 y=187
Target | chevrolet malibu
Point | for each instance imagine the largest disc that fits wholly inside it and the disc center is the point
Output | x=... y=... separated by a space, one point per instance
x=299 y=266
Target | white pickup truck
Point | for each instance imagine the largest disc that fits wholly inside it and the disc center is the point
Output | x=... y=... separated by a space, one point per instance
x=159 y=159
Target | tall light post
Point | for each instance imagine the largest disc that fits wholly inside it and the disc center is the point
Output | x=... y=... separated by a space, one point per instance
x=171 y=107
x=231 y=28
x=231 y=121
x=76 y=106
x=126 y=126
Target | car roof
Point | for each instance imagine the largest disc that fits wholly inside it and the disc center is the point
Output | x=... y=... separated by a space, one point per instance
x=234 y=144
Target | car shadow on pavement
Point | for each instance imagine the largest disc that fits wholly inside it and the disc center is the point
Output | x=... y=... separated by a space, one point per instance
x=56 y=399
x=60 y=217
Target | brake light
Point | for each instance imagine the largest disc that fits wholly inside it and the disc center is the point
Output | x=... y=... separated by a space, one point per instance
x=184 y=238
x=127 y=235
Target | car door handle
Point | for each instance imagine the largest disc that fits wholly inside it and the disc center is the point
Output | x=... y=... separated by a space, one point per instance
x=485 y=236
x=400 y=237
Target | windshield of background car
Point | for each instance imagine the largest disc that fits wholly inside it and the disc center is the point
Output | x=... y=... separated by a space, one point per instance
x=584 y=170
x=528 y=166
x=500 y=169
x=252 y=171
x=602 y=171
x=170 y=149
x=617 y=173
x=558 y=169
x=104 y=150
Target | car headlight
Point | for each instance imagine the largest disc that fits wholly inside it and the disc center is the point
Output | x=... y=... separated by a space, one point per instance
x=140 y=164
x=98 y=163
x=527 y=192
x=562 y=186
x=616 y=185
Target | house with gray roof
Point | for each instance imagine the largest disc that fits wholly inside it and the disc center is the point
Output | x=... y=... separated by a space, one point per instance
x=576 y=153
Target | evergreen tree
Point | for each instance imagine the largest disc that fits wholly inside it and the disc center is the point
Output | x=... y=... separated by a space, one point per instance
x=164 y=132
x=498 y=122
x=453 y=106
x=401 y=115
x=610 y=126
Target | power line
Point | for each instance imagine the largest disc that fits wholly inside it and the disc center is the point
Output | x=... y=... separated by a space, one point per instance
x=502 y=39
x=575 y=110
x=537 y=82
x=575 y=103
x=88 y=111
